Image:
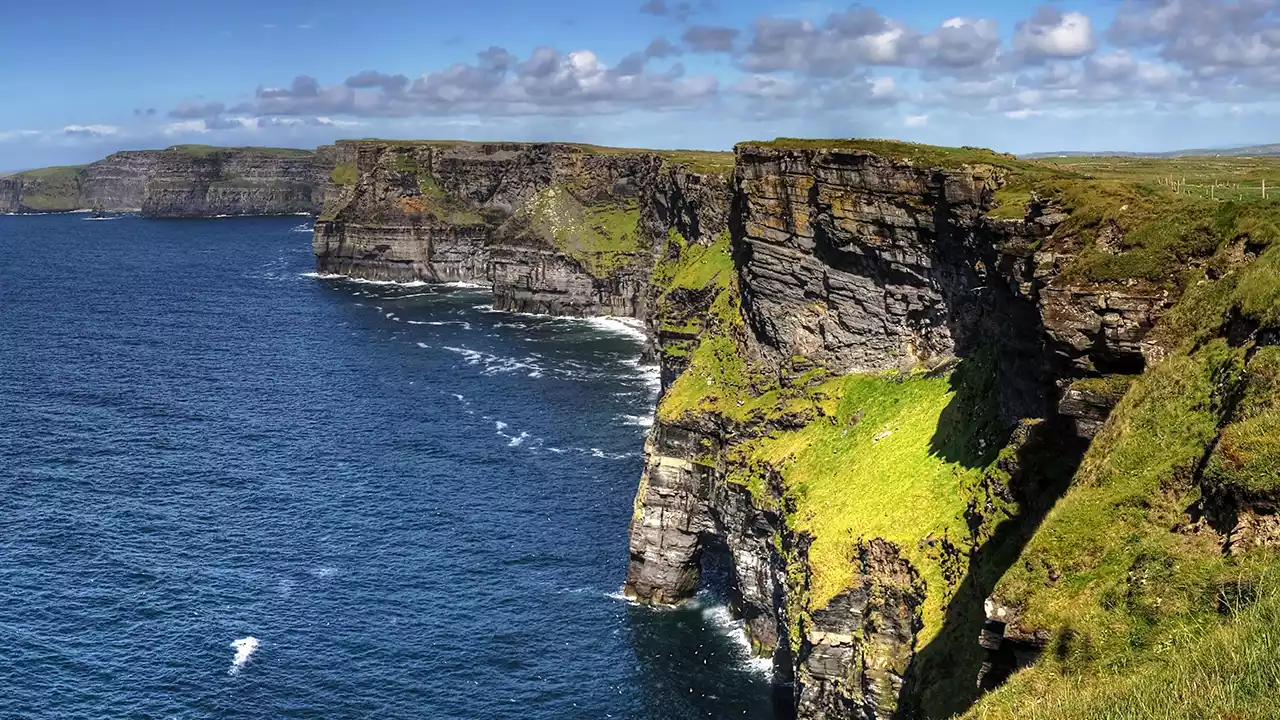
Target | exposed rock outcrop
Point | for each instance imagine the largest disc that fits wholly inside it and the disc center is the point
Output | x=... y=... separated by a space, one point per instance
x=555 y=228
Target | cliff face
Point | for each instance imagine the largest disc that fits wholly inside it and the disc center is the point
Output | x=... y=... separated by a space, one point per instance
x=10 y=194
x=561 y=229
x=844 y=265
x=184 y=181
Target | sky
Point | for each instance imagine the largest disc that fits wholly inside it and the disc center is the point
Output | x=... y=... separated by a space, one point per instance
x=83 y=79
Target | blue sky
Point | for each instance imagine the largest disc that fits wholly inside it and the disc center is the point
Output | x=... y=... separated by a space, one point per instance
x=83 y=80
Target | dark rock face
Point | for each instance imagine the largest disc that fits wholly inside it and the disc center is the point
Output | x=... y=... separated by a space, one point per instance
x=462 y=212
x=685 y=511
x=181 y=182
x=853 y=260
x=10 y=195
x=859 y=647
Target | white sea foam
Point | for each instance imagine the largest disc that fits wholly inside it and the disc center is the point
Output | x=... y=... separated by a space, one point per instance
x=519 y=439
x=440 y=323
x=466 y=285
x=245 y=648
x=720 y=619
x=638 y=420
x=424 y=346
x=324 y=572
x=303 y=228
x=93 y=219
x=494 y=364
x=364 y=281
x=628 y=327
x=650 y=374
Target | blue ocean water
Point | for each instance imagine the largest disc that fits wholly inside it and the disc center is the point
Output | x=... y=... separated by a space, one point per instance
x=416 y=506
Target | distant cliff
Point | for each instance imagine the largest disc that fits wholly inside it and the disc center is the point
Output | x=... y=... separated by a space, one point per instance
x=181 y=181
x=555 y=228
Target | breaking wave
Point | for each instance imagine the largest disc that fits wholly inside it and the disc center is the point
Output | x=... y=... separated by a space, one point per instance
x=720 y=619
x=245 y=648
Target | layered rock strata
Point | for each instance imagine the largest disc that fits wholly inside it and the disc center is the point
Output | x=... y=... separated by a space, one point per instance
x=554 y=228
x=183 y=181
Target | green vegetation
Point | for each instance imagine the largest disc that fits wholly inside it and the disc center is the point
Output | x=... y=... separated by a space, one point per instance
x=61 y=173
x=432 y=199
x=53 y=189
x=603 y=237
x=202 y=151
x=345 y=174
x=687 y=278
x=1227 y=670
x=1111 y=388
x=1131 y=588
x=883 y=462
x=1248 y=455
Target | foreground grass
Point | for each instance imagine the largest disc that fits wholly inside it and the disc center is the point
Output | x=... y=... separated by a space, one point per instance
x=1228 y=671
x=1137 y=598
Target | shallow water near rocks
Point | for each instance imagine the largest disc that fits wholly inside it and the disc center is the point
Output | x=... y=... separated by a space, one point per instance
x=228 y=489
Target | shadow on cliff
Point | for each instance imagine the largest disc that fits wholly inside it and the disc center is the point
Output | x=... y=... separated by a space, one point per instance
x=1018 y=488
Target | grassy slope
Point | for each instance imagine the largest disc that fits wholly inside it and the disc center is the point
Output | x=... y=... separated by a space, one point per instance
x=1130 y=601
x=1230 y=673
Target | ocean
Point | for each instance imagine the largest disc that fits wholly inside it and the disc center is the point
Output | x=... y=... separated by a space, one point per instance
x=230 y=488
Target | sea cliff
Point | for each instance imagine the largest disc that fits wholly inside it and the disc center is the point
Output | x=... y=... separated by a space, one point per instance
x=955 y=422
x=554 y=228
x=182 y=181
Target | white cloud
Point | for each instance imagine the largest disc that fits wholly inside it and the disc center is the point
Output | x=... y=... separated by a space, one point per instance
x=186 y=126
x=1022 y=114
x=883 y=87
x=335 y=122
x=90 y=130
x=915 y=121
x=10 y=135
x=1053 y=34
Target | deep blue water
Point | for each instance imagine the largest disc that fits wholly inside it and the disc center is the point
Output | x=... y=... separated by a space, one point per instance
x=417 y=506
